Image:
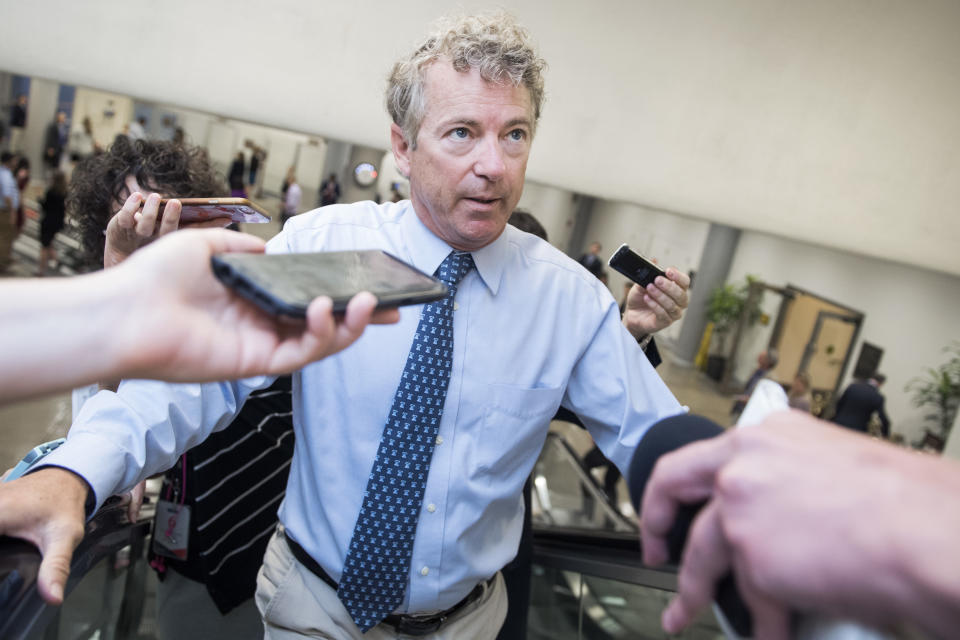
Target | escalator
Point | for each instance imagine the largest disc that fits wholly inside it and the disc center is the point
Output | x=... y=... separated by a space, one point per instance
x=587 y=579
x=105 y=594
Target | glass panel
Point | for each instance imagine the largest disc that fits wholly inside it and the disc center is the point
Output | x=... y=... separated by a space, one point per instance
x=91 y=609
x=554 y=604
x=613 y=609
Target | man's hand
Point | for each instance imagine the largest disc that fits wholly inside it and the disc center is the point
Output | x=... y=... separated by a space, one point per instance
x=132 y=228
x=46 y=509
x=659 y=305
x=184 y=325
x=809 y=517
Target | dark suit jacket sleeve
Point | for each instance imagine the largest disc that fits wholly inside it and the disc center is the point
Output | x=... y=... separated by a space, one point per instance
x=653 y=354
x=843 y=398
x=52 y=138
x=884 y=420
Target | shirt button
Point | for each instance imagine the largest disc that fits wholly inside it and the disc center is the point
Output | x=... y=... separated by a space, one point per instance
x=456 y=305
x=431 y=507
x=424 y=571
x=439 y=439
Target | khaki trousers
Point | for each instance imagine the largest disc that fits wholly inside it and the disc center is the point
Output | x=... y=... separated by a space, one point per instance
x=8 y=233
x=296 y=604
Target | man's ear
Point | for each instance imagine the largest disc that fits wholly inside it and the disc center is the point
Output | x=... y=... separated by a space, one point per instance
x=401 y=149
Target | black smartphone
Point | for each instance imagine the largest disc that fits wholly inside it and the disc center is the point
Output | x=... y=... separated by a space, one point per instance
x=635 y=266
x=285 y=284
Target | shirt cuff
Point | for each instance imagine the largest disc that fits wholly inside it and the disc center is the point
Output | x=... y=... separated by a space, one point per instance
x=96 y=460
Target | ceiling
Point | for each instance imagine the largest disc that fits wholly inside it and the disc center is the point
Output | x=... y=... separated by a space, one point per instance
x=835 y=123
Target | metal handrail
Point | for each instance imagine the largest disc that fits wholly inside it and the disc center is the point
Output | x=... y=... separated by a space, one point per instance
x=586 y=480
x=23 y=611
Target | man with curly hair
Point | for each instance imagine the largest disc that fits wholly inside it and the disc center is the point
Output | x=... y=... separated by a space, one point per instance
x=404 y=496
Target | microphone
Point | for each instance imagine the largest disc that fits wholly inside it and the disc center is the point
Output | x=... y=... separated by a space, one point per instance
x=731 y=610
x=663 y=437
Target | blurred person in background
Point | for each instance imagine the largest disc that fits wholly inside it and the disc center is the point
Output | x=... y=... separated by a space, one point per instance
x=858 y=404
x=799 y=396
x=53 y=206
x=291 y=199
x=18 y=123
x=330 y=191
x=82 y=142
x=766 y=361
x=235 y=177
x=9 y=203
x=55 y=141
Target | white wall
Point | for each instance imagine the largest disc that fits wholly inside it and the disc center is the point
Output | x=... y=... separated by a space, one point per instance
x=783 y=117
x=98 y=105
x=670 y=239
x=281 y=146
x=911 y=313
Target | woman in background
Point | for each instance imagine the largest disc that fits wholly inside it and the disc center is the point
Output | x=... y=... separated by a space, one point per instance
x=53 y=205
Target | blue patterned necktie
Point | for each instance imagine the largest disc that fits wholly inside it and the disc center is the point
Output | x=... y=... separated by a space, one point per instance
x=378 y=561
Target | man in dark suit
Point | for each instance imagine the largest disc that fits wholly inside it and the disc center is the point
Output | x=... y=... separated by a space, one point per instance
x=592 y=261
x=859 y=402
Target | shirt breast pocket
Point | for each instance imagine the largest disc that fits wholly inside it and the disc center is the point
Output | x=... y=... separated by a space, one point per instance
x=514 y=426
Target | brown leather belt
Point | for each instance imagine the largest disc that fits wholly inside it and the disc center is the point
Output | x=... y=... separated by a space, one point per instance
x=413 y=625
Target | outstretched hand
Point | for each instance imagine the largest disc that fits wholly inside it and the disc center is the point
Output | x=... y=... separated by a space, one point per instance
x=187 y=326
x=659 y=305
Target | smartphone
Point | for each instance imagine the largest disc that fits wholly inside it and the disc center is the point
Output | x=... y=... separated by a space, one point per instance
x=635 y=266
x=202 y=209
x=285 y=284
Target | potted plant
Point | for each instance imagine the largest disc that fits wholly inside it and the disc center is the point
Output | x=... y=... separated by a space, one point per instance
x=724 y=310
x=938 y=390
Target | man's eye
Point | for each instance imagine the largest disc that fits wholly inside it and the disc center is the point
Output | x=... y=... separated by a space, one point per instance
x=460 y=133
x=518 y=135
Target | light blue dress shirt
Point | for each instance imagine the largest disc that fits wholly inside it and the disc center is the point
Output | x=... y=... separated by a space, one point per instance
x=532 y=329
x=8 y=188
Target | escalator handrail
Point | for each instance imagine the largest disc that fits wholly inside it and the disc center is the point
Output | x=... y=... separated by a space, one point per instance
x=604 y=554
x=22 y=610
x=596 y=492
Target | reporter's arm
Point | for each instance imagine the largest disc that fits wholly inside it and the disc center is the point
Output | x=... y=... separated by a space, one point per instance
x=162 y=314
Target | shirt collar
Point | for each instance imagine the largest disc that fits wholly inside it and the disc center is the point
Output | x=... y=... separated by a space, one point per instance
x=427 y=251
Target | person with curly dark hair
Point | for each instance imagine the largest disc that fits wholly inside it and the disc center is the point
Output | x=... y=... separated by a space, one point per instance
x=209 y=583
x=104 y=179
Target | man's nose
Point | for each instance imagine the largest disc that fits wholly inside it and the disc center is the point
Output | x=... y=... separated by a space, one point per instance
x=489 y=162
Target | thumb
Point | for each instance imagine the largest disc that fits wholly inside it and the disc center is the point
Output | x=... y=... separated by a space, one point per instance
x=57 y=549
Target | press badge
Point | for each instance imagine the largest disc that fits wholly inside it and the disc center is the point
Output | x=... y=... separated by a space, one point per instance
x=172 y=530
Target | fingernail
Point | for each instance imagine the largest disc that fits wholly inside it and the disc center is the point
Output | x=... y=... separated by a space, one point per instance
x=56 y=591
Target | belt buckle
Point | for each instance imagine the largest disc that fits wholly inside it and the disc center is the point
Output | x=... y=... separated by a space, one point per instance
x=414 y=626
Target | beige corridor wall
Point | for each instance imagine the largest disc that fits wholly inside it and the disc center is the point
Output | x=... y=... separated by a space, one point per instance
x=911 y=313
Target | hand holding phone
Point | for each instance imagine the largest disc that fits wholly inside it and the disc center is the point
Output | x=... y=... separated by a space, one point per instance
x=635 y=266
x=285 y=284
x=650 y=307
